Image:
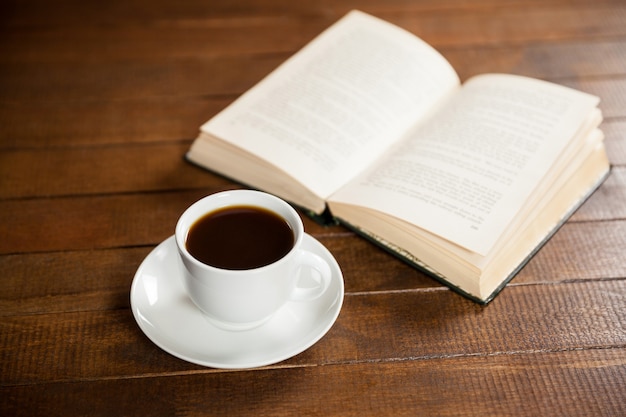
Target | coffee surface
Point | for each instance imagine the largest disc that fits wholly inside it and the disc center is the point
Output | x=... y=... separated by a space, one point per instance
x=239 y=237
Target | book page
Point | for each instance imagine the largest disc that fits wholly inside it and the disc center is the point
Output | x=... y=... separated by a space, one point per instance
x=331 y=109
x=466 y=173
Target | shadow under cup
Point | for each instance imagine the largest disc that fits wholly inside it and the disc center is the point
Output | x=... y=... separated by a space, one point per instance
x=241 y=299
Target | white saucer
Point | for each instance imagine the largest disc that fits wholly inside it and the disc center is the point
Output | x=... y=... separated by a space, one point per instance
x=169 y=318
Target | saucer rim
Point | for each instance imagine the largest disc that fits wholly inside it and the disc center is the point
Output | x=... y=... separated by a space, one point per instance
x=318 y=329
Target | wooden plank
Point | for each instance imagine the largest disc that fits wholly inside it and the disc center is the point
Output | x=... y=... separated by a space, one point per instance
x=377 y=327
x=572 y=383
x=56 y=282
x=554 y=60
x=608 y=202
x=93 y=122
x=194 y=37
x=615 y=132
x=113 y=169
x=74 y=16
x=586 y=250
x=87 y=80
x=612 y=92
x=73 y=13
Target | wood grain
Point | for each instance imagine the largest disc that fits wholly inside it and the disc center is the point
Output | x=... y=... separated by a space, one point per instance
x=99 y=101
x=377 y=327
x=501 y=384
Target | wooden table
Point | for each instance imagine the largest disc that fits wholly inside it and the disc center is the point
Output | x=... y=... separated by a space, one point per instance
x=99 y=102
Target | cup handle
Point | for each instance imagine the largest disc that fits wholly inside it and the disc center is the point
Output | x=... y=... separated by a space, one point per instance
x=313 y=277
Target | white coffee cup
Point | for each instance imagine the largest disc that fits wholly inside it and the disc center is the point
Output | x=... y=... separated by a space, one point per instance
x=243 y=299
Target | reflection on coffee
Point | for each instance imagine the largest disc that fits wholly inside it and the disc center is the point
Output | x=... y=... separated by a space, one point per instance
x=239 y=237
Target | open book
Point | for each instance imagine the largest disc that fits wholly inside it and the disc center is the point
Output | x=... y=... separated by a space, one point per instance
x=370 y=125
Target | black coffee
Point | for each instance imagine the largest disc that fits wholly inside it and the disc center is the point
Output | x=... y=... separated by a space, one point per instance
x=239 y=237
